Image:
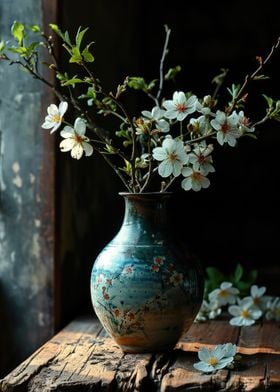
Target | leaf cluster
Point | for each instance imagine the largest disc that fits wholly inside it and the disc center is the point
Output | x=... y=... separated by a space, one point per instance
x=241 y=280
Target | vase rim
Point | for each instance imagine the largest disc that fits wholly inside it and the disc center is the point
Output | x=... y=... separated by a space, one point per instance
x=144 y=193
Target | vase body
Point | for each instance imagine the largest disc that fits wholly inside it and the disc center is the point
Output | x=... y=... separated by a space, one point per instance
x=146 y=288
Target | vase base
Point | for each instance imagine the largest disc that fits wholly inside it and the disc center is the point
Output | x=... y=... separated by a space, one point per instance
x=151 y=347
x=143 y=350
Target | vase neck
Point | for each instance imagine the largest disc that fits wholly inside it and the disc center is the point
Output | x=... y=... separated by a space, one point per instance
x=145 y=218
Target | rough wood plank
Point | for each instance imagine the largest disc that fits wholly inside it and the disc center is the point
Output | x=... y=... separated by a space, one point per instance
x=259 y=346
x=181 y=373
x=83 y=358
x=53 y=353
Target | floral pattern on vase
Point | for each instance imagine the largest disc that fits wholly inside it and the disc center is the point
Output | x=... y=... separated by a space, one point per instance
x=145 y=289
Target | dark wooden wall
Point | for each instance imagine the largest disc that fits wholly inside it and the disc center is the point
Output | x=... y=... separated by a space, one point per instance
x=26 y=202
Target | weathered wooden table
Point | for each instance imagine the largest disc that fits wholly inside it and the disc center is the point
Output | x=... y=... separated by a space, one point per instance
x=83 y=358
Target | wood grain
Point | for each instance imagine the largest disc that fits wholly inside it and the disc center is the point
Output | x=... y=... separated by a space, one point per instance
x=83 y=358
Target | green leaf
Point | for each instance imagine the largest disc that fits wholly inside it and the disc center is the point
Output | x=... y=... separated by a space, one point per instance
x=2 y=46
x=64 y=36
x=90 y=94
x=220 y=78
x=55 y=28
x=17 y=31
x=238 y=273
x=21 y=50
x=35 y=28
x=172 y=73
x=88 y=57
x=252 y=276
x=214 y=274
x=72 y=81
x=137 y=83
x=269 y=100
x=76 y=55
x=260 y=77
x=79 y=36
x=62 y=77
x=151 y=85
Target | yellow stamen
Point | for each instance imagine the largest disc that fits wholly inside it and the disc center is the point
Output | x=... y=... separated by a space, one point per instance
x=223 y=293
x=213 y=361
x=56 y=118
x=245 y=313
x=172 y=156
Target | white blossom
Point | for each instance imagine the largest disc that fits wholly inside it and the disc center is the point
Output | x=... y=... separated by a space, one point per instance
x=225 y=294
x=75 y=140
x=244 y=313
x=226 y=127
x=273 y=309
x=217 y=358
x=179 y=107
x=55 y=116
x=194 y=180
x=201 y=158
x=208 y=310
x=157 y=115
x=244 y=124
x=172 y=157
x=258 y=298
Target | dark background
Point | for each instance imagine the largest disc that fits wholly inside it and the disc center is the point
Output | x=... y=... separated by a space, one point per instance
x=236 y=219
x=233 y=221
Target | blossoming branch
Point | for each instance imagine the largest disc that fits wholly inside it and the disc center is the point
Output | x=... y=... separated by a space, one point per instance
x=172 y=138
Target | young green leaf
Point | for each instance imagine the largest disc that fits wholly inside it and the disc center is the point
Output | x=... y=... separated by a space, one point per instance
x=172 y=73
x=238 y=273
x=72 y=81
x=137 y=83
x=17 y=31
x=79 y=36
x=88 y=57
x=35 y=28
x=2 y=46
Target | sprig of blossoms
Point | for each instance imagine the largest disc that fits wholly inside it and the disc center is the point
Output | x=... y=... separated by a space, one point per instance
x=171 y=139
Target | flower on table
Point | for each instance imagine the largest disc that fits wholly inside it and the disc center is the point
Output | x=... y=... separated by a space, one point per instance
x=208 y=311
x=75 y=140
x=244 y=313
x=258 y=297
x=55 y=116
x=219 y=357
x=225 y=294
x=179 y=107
x=273 y=309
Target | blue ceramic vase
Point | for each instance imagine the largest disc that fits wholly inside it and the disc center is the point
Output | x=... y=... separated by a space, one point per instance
x=146 y=288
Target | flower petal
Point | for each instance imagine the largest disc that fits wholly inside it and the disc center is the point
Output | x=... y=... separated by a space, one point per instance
x=63 y=106
x=88 y=149
x=67 y=144
x=80 y=126
x=77 y=151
